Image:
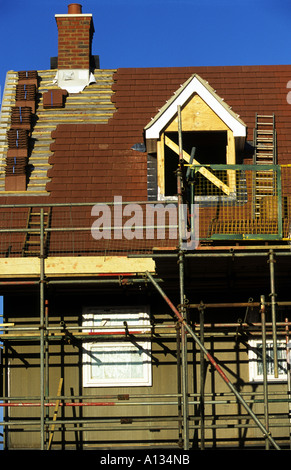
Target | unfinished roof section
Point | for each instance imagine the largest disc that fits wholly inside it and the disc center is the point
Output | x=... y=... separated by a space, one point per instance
x=91 y=106
x=195 y=85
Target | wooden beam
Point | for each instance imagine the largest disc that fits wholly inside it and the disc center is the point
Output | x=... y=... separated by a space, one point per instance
x=161 y=165
x=210 y=176
x=73 y=266
x=55 y=413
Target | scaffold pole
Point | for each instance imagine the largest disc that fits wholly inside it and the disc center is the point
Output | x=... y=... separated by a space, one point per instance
x=213 y=362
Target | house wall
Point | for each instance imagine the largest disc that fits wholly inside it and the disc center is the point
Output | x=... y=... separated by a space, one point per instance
x=149 y=414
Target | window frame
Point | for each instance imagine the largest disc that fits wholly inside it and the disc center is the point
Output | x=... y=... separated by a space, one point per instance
x=116 y=315
x=254 y=375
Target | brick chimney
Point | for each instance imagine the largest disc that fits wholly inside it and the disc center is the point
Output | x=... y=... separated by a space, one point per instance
x=75 y=31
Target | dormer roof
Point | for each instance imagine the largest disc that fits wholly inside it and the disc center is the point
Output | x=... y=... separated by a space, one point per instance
x=195 y=85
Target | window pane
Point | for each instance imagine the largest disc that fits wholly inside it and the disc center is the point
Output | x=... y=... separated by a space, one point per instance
x=270 y=359
x=117 y=364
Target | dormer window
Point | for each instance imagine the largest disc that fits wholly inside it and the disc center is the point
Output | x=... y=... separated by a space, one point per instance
x=208 y=125
x=210 y=147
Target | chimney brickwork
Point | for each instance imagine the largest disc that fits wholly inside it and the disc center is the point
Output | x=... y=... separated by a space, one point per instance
x=75 y=33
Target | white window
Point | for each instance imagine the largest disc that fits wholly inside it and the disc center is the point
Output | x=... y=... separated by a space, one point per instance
x=116 y=363
x=256 y=363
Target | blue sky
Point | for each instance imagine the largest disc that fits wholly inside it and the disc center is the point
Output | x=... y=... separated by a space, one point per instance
x=151 y=33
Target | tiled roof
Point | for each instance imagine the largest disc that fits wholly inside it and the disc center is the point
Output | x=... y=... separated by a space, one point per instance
x=248 y=90
x=84 y=150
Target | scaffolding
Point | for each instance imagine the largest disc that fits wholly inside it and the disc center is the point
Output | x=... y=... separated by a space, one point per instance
x=184 y=422
x=188 y=410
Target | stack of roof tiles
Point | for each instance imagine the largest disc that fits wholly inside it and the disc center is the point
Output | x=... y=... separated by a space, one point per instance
x=16 y=166
x=54 y=98
x=16 y=161
x=17 y=138
x=25 y=92
x=21 y=117
x=28 y=76
x=20 y=131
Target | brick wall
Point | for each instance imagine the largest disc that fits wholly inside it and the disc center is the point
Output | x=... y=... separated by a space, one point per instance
x=75 y=34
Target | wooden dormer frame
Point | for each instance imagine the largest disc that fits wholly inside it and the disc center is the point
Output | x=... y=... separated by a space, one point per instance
x=201 y=110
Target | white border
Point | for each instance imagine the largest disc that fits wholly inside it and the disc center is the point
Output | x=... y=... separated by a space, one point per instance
x=89 y=347
x=195 y=86
x=145 y=380
x=253 y=359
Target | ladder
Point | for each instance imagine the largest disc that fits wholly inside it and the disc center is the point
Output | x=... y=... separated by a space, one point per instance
x=265 y=154
x=31 y=246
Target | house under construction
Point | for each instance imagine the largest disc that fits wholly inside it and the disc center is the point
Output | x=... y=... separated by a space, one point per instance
x=144 y=254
